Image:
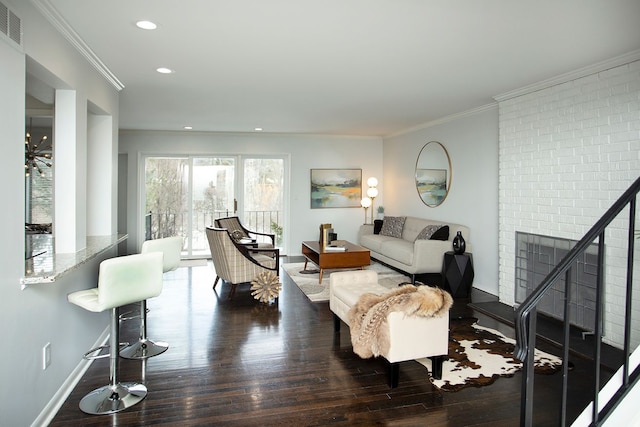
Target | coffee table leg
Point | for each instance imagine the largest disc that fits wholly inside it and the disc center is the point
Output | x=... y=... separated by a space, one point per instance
x=320 y=278
x=305 y=264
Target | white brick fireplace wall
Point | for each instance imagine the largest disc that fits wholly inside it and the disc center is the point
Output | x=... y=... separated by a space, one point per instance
x=566 y=153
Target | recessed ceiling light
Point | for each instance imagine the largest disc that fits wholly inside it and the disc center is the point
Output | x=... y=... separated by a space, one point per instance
x=164 y=70
x=188 y=127
x=146 y=25
x=258 y=129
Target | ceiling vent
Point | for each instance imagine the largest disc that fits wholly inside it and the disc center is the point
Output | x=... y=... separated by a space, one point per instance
x=10 y=24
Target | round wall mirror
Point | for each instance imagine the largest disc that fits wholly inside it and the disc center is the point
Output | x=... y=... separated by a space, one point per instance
x=433 y=174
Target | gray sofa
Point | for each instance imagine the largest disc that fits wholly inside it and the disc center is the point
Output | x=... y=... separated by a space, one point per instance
x=408 y=254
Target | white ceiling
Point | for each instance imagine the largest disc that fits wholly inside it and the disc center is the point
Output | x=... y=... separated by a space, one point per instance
x=349 y=67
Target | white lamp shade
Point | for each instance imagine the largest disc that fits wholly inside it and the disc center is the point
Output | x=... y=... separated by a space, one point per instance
x=372 y=192
x=365 y=202
x=372 y=182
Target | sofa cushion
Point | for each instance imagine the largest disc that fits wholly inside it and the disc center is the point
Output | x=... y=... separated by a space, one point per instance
x=441 y=234
x=399 y=250
x=377 y=226
x=374 y=242
x=392 y=226
x=427 y=232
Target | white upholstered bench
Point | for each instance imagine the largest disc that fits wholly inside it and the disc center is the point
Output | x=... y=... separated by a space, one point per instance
x=410 y=336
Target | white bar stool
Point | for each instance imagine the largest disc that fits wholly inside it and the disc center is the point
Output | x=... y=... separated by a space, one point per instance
x=144 y=348
x=121 y=281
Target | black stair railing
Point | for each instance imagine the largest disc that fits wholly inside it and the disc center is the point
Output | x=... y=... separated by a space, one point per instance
x=525 y=318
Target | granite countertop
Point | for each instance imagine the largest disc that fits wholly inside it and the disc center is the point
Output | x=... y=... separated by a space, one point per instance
x=43 y=265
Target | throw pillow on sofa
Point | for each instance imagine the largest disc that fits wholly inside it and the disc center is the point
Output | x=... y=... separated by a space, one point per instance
x=427 y=232
x=392 y=226
x=441 y=234
x=377 y=226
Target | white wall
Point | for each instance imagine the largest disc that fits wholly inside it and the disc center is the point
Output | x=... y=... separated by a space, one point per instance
x=472 y=142
x=567 y=153
x=306 y=152
x=39 y=314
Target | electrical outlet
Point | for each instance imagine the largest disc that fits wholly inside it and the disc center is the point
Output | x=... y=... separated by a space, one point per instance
x=46 y=356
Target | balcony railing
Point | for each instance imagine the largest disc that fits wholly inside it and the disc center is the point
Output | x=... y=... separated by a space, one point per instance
x=165 y=224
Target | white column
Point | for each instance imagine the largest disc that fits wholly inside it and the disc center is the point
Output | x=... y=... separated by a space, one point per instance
x=70 y=159
x=100 y=173
x=12 y=105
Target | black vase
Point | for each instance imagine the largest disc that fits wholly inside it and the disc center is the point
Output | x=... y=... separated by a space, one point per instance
x=459 y=245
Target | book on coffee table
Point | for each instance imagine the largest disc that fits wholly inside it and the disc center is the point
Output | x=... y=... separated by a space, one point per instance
x=335 y=248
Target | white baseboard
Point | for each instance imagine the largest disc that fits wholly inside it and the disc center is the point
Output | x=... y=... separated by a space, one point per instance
x=58 y=399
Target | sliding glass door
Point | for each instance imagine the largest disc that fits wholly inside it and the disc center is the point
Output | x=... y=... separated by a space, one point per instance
x=213 y=189
x=184 y=195
x=263 y=196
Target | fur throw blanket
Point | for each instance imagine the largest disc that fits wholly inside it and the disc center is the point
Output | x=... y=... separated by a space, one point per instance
x=368 y=317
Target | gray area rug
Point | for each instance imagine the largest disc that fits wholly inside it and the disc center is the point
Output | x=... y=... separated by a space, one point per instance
x=319 y=292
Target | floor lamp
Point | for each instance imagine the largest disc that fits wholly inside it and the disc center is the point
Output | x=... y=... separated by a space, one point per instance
x=365 y=203
x=372 y=192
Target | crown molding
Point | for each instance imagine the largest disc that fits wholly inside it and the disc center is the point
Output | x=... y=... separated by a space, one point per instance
x=53 y=16
x=598 y=67
x=445 y=119
x=563 y=78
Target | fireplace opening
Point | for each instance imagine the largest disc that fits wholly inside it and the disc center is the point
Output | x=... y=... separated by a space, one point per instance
x=536 y=256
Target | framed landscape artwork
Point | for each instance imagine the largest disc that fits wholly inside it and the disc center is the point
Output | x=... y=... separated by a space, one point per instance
x=336 y=188
x=432 y=185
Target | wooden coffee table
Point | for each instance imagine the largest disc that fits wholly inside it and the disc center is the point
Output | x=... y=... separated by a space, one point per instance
x=354 y=257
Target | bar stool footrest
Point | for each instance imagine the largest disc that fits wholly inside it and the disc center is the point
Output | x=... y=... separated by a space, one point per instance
x=87 y=355
x=128 y=316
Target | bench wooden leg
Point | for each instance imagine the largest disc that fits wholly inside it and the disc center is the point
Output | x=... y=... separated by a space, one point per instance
x=394 y=373
x=436 y=366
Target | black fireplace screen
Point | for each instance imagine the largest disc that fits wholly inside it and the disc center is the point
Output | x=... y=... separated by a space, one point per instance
x=536 y=256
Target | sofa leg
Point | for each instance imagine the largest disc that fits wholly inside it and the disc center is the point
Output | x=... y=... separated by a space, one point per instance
x=436 y=366
x=394 y=373
x=336 y=323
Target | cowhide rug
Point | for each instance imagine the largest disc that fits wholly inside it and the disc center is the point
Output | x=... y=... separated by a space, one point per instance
x=478 y=356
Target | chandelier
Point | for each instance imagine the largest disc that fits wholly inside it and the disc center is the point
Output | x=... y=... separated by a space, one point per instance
x=35 y=156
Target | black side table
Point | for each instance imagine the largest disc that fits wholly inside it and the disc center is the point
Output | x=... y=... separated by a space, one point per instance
x=457 y=273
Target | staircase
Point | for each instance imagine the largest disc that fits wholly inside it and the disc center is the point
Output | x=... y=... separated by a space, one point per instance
x=604 y=403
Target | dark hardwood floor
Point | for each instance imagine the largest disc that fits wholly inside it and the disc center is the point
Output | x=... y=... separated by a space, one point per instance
x=241 y=363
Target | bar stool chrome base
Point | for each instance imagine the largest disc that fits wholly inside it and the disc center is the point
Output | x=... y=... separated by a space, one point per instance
x=143 y=349
x=110 y=399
